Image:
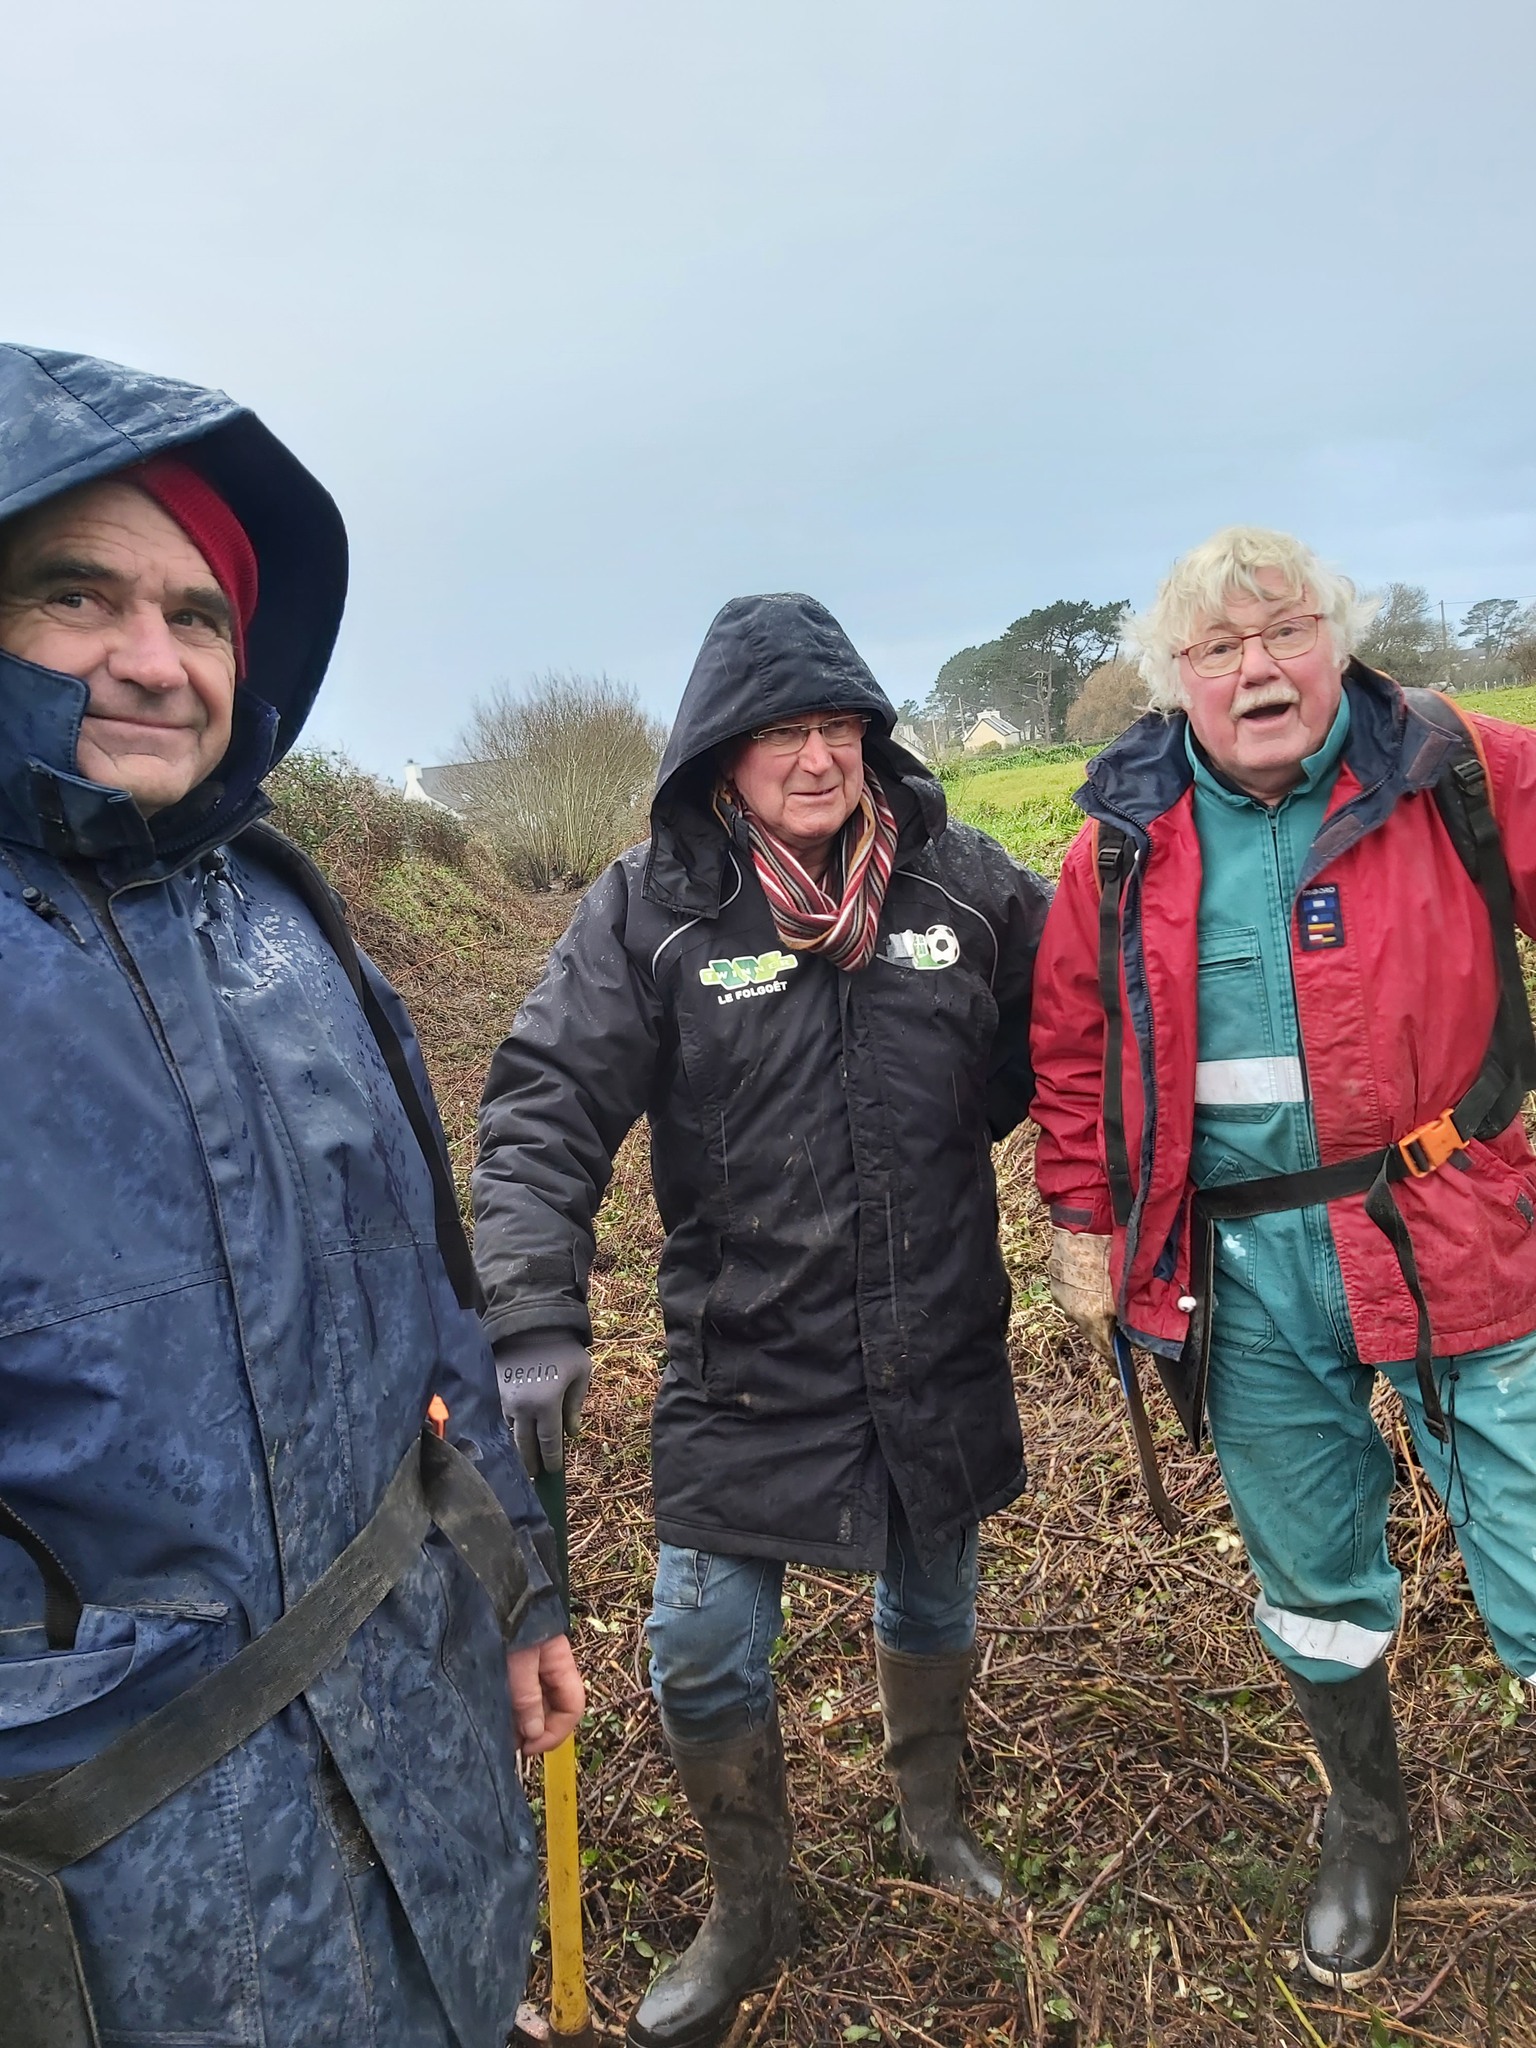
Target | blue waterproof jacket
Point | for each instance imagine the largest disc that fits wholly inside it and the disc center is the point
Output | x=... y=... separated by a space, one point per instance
x=222 y=1315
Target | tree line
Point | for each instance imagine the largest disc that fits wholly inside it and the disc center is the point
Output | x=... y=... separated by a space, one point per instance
x=1056 y=673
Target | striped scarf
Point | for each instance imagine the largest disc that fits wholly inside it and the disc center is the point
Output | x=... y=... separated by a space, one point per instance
x=807 y=917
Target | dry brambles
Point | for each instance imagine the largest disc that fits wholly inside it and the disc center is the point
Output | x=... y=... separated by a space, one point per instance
x=1135 y=1756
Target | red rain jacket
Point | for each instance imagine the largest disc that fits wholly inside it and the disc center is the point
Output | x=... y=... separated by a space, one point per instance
x=1394 y=1024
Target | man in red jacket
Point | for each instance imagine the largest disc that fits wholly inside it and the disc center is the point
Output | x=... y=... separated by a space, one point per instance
x=1281 y=1043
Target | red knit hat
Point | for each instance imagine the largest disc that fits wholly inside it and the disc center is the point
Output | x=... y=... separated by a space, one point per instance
x=213 y=530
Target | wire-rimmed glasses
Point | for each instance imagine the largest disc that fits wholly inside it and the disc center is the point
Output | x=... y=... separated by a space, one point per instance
x=1222 y=653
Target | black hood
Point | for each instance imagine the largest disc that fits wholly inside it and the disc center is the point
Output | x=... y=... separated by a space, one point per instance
x=67 y=420
x=763 y=660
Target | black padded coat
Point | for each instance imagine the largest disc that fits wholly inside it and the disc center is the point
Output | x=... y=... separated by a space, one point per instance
x=835 y=1301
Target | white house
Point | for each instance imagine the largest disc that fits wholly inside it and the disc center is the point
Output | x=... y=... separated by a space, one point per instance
x=991 y=730
x=446 y=789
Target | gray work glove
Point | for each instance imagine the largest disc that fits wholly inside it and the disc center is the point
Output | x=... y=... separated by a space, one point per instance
x=542 y=1376
x=1078 y=1272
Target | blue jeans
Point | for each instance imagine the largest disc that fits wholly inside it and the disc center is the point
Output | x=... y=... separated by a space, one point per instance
x=714 y=1621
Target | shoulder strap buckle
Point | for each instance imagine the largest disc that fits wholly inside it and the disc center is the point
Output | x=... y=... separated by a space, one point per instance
x=1110 y=853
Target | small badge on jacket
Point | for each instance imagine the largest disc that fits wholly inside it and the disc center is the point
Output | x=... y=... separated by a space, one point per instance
x=928 y=951
x=1319 y=918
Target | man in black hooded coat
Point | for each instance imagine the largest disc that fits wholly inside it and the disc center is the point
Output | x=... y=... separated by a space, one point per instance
x=837 y=1389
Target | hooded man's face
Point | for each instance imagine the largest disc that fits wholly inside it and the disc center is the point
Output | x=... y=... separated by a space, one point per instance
x=102 y=585
x=804 y=794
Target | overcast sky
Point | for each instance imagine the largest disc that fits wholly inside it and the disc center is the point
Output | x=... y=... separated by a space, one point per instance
x=595 y=313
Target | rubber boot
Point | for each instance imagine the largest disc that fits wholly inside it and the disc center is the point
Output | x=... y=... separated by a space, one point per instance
x=735 y=1790
x=1352 y=1914
x=922 y=1700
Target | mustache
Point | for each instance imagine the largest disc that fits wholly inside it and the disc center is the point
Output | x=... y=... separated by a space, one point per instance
x=1262 y=696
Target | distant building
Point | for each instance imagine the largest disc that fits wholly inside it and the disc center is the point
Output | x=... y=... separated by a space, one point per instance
x=909 y=737
x=448 y=789
x=991 y=730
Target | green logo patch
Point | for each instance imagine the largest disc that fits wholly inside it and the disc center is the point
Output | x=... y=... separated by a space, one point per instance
x=747 y=970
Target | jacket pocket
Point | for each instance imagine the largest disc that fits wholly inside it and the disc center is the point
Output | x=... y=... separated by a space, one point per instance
x=1239 y=1317
x=1235 y=1056
x=181 y=1867
x=719 y=1349
x=112 y=1645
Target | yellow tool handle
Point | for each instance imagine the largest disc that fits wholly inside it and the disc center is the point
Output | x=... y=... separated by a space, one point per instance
x=568 y=2010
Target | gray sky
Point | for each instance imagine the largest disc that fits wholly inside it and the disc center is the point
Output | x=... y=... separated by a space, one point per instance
x=594 y=313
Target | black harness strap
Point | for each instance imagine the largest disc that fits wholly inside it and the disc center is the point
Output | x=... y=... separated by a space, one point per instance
x=1115 y=857
x=61 y=1601
x=89 y=1805
x=1141 y=1436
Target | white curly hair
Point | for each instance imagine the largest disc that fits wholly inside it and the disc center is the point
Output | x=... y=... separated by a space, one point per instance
x=1227 y=565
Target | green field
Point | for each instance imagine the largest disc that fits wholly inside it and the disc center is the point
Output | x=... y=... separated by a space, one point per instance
x=1025 y=799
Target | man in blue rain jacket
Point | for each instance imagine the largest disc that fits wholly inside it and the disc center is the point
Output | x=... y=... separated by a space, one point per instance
x=223 y=1305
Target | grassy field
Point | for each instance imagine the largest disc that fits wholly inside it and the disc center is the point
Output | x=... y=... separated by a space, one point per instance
x=1135 y=1758
x=1024 y=800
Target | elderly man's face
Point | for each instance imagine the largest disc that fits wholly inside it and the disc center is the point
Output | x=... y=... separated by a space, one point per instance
x=102 y=585
x=804 y=796
x=1259 y=724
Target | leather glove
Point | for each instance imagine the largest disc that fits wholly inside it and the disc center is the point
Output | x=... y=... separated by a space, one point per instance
x=542 y=1376
x=1078 y=1271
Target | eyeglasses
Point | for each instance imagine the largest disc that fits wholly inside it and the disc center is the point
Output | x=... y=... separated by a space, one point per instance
x=1222 y=654
x=846 y=730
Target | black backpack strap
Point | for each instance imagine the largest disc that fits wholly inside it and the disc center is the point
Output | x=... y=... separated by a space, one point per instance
x=1465 y=804
x=325 y=906
x=1113 y=859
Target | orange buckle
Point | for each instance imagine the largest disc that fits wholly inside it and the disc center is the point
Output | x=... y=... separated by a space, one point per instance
x=1427 y=1149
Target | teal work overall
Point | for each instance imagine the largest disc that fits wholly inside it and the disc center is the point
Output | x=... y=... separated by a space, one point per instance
x=1306 y=1469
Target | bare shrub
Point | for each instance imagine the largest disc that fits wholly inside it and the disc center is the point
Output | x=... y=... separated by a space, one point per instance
x=563 y=775
x=349 y=819
x=1113 y=697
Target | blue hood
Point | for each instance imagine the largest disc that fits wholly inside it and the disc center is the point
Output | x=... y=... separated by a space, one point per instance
x=67 y=420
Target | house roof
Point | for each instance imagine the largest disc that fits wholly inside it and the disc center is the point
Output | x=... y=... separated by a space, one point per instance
x=452 y=785
x=995 y=723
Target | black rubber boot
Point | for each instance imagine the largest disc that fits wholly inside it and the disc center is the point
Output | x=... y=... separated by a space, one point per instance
x=923 y=1700
x=735 y=1790
x=1352 y=1914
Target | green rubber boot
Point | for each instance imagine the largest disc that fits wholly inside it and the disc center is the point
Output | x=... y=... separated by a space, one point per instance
x=1352 y=1914
x=922 y=1700
x=735 y=1791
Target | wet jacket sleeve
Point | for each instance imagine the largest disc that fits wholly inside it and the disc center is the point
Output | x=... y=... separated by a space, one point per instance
x=1068 y=1045
x=466 y=1381
x=562 y=1092
x=1023 y=900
